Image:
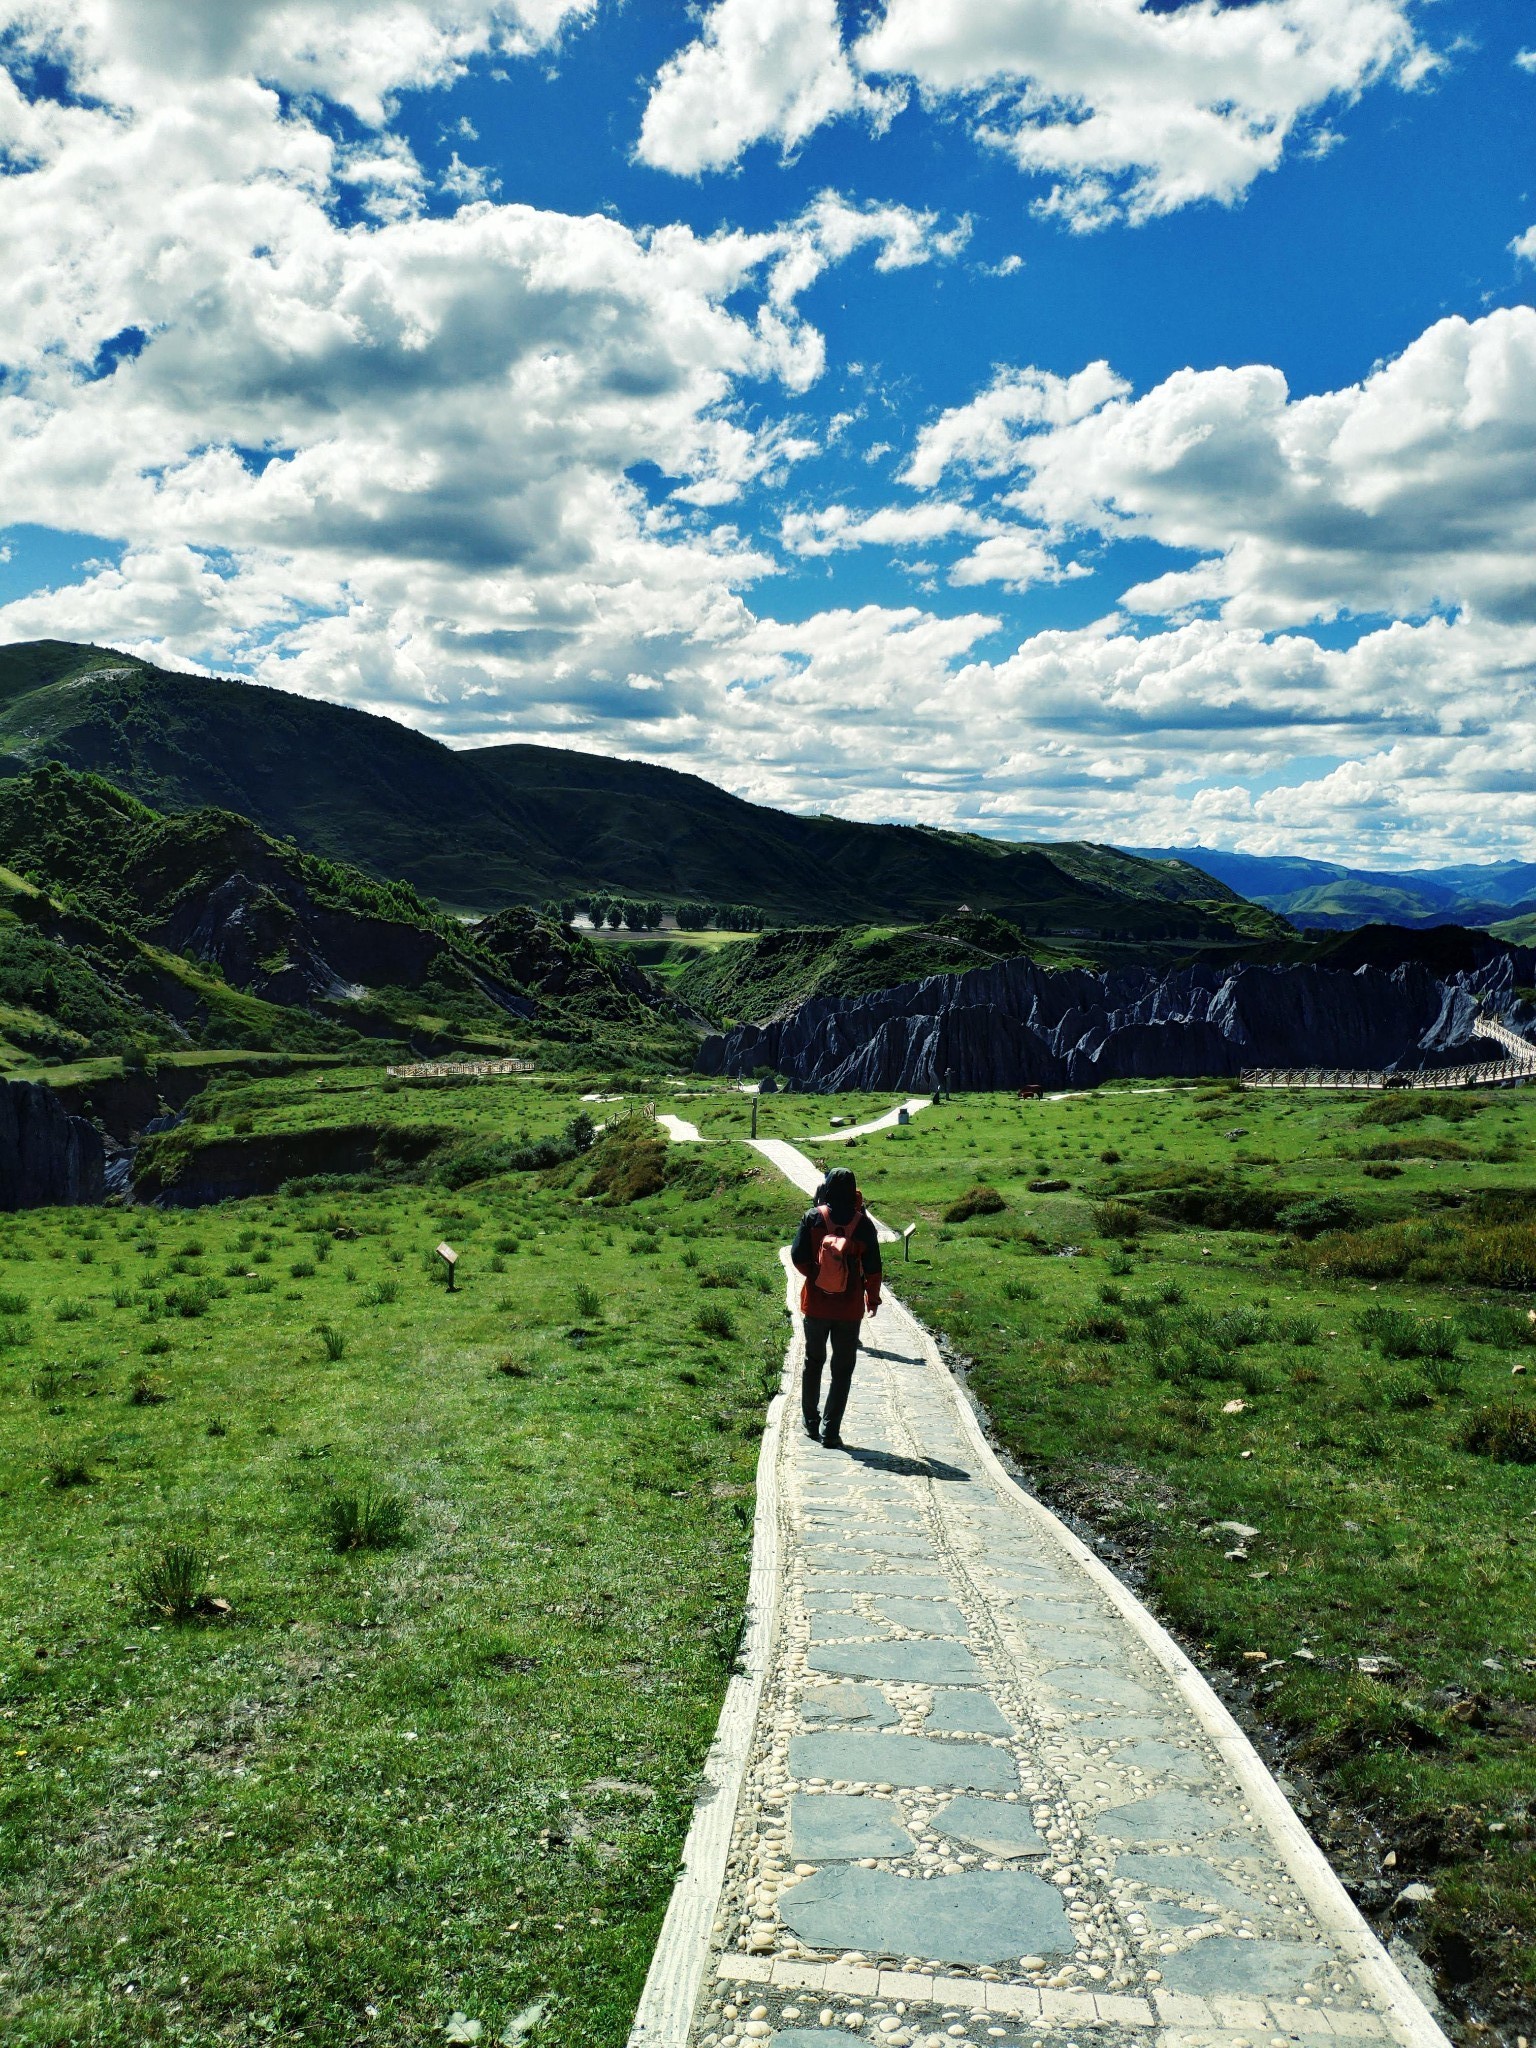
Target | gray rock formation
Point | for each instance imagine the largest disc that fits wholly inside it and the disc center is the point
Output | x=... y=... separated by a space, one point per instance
x=1014 y=1023
x=47 y=1156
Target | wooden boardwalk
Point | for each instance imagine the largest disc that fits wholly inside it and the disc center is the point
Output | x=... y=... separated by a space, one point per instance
x=1519 y=1064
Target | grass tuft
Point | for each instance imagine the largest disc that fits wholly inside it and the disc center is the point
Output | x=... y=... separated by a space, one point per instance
x=369 y=1520
x=172 y=1581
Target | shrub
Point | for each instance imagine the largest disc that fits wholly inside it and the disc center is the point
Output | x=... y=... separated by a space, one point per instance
x=1310 y=1218
x=628 y=1166
x=1506 y=1431
x=1097 y=1327
x=716 y=1320
x=1396 y=1334
x=1383 y=1169
x=333 y=1340
x=1445 y=1375
x=1119 y=1220
x=368 y=1520
x=1404 y=1390
x=979 y=1200
x=1496 y=1322
x=1300 y=1330
x=1109 y=1156
x=191 y=1301
x=171 y=1582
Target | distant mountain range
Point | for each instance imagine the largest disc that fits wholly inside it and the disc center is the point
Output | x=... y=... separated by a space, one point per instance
x=1321 y=895
x=483 y=828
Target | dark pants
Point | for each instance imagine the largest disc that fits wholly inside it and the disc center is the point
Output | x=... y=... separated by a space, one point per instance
x=844 y=1338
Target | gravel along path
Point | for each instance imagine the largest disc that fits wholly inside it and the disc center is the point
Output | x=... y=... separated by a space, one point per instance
x=975 y=1791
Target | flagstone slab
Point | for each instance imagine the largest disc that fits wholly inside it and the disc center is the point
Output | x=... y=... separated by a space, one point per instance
x=839 y=1627
x=836 y=1827
x=1167 y=1817
x=889 y=1576
x=1192 y=1877
x=1074 y=1649
x=860 y=1759
x=995 y=1826
x=965 y=1712
x=908 y=1663
x=926 y=1617
x=863 y=1705
x=1089 y=1682
x=983 y=1917
x=1223 y=1962
x=1163 y=1759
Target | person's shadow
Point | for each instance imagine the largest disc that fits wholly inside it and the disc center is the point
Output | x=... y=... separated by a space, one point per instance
x=905 y=1468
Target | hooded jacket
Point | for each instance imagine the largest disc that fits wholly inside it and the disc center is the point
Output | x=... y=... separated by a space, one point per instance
x=805 y=1252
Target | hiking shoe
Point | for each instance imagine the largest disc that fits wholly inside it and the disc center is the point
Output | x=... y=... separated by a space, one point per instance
x=813 y=1427
x=831 y=1441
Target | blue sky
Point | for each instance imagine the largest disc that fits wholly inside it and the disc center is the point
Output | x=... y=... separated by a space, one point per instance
x=1052 y=417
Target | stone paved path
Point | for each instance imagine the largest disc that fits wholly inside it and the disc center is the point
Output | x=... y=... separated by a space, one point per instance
x=985 y=1798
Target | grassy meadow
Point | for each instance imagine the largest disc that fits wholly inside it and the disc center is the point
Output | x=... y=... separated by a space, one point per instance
x=360 y=1642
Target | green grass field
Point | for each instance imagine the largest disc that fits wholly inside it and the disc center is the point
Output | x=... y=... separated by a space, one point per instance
x=1174 y=1337
x=360 y=1643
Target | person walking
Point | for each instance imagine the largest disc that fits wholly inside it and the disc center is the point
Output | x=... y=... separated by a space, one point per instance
x=837 y=1253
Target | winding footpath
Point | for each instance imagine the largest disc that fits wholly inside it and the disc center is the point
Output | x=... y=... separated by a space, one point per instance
x=965 y=1788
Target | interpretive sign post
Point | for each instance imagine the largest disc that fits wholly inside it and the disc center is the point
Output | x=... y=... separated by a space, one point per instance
x=450 y=1259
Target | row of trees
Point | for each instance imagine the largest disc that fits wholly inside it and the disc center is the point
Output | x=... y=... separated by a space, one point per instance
x=634 y=914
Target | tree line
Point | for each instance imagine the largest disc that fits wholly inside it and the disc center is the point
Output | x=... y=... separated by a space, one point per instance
x=639 y=914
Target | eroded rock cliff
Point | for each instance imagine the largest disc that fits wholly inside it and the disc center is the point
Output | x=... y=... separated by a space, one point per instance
x=1016 y=1023
x=47 y=1156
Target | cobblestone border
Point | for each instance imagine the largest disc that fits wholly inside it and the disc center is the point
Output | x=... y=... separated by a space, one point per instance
x=664 y=2016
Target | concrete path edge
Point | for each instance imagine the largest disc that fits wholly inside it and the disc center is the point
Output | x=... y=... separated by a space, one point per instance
x=673 y=1982
x=1314 y=1875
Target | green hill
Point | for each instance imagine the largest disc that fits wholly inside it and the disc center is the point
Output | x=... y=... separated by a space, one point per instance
x=495 y=826
x=123 y=930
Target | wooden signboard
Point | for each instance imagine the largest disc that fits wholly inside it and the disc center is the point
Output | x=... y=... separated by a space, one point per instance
x=450 y=1259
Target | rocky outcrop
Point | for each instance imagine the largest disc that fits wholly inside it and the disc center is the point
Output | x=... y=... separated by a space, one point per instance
x=1016 y=1023
x=47 y=1156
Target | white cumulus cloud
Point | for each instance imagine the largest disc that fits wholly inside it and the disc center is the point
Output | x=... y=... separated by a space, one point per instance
x=759 y=70
x=1410 y=491
x=1126 y=111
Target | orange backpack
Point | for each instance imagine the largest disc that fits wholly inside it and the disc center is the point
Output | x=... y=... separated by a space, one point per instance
x=840 y=1257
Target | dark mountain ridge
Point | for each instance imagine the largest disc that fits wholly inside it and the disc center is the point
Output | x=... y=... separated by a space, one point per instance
x=488 y=827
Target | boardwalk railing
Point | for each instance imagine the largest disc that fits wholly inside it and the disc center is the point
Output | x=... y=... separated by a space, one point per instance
x=453 y=1070
x=1519 y=1065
